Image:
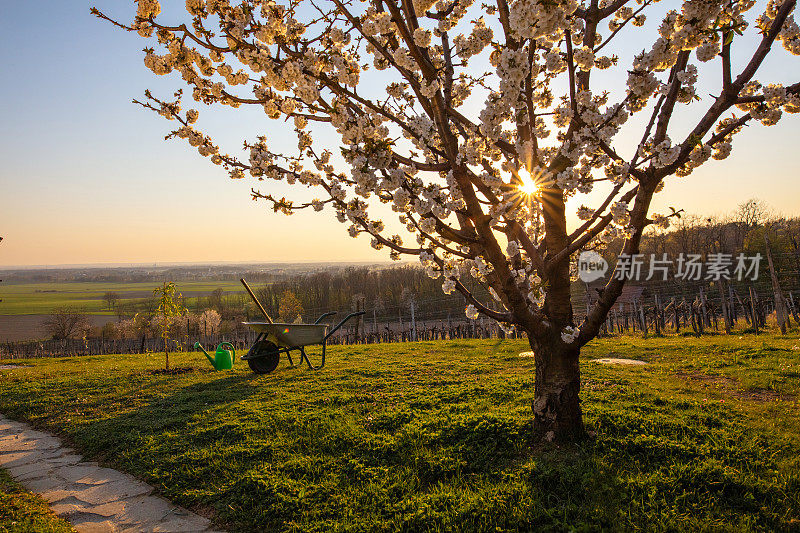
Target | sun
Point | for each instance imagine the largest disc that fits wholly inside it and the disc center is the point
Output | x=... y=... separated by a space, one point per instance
x=528 y=186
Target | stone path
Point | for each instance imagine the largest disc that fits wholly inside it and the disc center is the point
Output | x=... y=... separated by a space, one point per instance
x=618 y=361
x=93 y=498
x=604 y=360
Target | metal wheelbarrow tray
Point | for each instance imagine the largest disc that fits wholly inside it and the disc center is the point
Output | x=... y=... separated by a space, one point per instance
x=274 y=339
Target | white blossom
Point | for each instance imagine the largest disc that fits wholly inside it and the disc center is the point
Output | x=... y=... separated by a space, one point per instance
x=569 y=334
x=449 y=286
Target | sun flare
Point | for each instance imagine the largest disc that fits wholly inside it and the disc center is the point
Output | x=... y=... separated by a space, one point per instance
x=528 y=186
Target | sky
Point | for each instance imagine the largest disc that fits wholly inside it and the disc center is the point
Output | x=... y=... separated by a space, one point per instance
x=86 y=176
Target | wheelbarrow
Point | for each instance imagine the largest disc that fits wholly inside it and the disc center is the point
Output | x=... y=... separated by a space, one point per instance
x=274 y=339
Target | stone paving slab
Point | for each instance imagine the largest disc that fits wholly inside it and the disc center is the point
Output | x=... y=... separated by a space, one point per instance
x=93 y=498
x=618 y=361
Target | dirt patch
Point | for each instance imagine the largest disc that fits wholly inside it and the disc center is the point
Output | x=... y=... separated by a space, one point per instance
x=720 y=381
x=172 y=371
x=730 y=386
x=762 y=395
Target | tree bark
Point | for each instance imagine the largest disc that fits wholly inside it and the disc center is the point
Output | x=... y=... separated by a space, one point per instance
x=556 y=404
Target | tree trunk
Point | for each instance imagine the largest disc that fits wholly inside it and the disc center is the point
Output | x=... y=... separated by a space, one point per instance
x=556 y=405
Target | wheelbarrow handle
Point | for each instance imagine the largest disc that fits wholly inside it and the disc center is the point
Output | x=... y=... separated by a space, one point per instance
x=253 y=296
x=329 y=313
x=340 y=324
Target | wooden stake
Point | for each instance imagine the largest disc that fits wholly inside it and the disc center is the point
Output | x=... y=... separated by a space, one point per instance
x=753 y=309
x=780 y=307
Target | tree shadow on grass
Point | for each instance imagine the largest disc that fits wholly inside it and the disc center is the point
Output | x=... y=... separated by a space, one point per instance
x=671 y=465
x=169 y=414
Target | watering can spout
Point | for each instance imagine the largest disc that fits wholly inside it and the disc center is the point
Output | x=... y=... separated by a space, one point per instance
x=199 y=346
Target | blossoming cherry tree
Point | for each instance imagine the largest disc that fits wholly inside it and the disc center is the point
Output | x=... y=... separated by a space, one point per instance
x=475 y=123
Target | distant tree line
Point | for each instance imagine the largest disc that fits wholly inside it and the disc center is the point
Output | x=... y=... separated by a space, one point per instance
x=740 y=231
x=749 y=230
x=383 y=290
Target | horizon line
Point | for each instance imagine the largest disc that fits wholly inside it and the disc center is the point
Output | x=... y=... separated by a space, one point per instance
x=67 y=266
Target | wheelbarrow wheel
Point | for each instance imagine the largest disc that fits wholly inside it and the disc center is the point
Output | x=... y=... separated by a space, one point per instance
x=265 y=357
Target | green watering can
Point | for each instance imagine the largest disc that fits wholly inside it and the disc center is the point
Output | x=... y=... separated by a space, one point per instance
x=223 y=359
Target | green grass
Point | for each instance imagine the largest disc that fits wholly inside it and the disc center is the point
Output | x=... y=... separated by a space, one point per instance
x=434 y=436
x=42 y=298
x=23 y=512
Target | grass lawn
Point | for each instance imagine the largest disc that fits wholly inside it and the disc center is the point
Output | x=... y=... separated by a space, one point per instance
x=23 y=512
x=433 y=436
